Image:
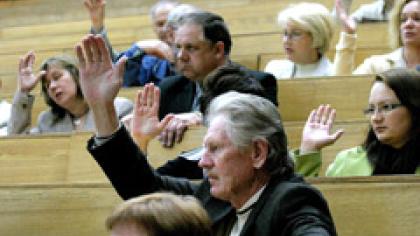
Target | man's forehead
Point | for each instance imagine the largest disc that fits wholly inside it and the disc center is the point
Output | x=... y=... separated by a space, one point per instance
x=189 y=32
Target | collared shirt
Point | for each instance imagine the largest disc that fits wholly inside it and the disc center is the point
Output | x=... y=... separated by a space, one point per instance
x=243 y=213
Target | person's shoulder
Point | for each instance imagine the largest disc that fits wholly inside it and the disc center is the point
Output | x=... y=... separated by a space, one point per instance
x=279 y=68
x=173 y=80
x=351 y=153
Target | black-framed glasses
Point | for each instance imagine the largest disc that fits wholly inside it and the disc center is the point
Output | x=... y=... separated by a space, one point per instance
x=383 y=109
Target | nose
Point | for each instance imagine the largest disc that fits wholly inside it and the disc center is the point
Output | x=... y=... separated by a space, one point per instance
x=52 y=85
x=205 y=161
x=408 y=23
x=376 y=116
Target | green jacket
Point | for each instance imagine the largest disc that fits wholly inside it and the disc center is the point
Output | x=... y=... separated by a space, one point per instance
x=349 y=162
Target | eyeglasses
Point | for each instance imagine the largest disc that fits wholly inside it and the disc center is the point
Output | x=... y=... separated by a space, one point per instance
x=293 y=35
x=383 y=109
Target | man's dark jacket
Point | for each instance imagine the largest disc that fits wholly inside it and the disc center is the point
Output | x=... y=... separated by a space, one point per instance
x=287 y=206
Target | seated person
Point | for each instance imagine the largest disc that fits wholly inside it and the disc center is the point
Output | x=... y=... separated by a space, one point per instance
x=203 y=43
x=159 y=214
x=392 y=143
x=251 y=188
x=405 y=39
x=68 y=110
x=308 y=29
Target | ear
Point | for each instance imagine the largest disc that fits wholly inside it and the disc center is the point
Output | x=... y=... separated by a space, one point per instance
x=259 y=153
x=220 y=50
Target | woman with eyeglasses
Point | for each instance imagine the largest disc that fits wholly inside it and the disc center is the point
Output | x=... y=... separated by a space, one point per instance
x=392 y=145
x=404 y=26
x=307 y=32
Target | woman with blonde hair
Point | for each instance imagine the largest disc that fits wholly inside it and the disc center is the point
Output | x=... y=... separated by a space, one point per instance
x=159 y=214
x=307 y=32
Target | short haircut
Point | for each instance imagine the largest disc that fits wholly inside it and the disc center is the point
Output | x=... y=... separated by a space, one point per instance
x=163 y=214
x=313 y=18
x=213 y=26
x=177 y=12
x=395 y=23
x=67 y=63
x=162 y=3
x=250 y=118
x=229 y=77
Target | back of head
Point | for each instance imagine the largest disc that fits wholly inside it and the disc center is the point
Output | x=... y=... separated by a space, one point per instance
x=163 y=214
x=311 y=17
x=395 y=23
x=249 y=118
x=213 y=26
x=177 y=12
x=229 y=77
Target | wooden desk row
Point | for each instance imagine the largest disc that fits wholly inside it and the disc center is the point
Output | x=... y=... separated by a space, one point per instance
x=374 y=206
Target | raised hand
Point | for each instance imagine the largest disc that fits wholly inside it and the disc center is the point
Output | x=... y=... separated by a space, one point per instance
x=145 y=122
x=348 y=24
x=157 y=48
x=100 y=81
x=26 y=78
x=316 y=133
x=96 y=9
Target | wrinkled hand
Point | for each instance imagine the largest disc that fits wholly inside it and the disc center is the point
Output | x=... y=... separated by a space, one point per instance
x=96 y=9
x=348 y=24
x=145 y=122
x=157 y=48
x=316 y=133
x=100 y=80
x=174 y=131
x=26 y=78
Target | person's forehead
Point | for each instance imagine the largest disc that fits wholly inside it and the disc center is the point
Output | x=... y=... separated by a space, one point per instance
x=381 y=92
x=189 y=32
x=217 y=129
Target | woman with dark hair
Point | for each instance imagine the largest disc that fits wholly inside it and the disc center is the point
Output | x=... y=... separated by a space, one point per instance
x=60 y=88
x=392 y=143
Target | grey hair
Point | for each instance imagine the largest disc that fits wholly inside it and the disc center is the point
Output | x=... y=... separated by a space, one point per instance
x=250 y=118
x=159 y=4
x=180 y=10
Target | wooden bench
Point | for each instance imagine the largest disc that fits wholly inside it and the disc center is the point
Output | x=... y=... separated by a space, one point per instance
x=374 y=206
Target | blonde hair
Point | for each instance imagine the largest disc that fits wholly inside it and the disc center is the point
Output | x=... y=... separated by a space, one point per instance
x=163 y=214
x=395 y=23
x=313 y=18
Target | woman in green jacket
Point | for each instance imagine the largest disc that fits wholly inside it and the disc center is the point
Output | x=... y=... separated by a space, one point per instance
x=392 y=145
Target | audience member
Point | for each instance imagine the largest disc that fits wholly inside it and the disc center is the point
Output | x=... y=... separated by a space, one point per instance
x=392 y=143
x=5 y=108
x=159 y=14
x=203 y=43
x=251 y=183
x=68 y=111
x=159 y=214
x=405 y=37
x=308 y=29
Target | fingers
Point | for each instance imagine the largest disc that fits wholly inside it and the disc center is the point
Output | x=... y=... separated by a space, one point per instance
x=322 y=115
x=173 y=132
x=80 y=57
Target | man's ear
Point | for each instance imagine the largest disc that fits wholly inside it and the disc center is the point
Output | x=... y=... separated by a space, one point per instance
x=259 y=153
x=220 y=50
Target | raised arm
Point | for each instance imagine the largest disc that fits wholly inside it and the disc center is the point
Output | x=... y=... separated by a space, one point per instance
x=145 y=122
x=100 y=81
x=96 y=9
x=20 y=120
x=317 y=131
